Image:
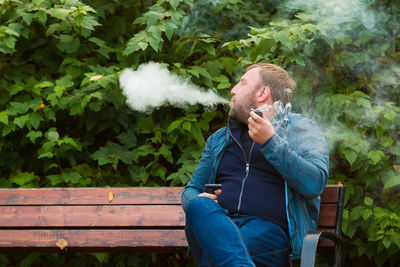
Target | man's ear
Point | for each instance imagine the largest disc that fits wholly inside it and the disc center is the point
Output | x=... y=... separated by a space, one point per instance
x=263 y=94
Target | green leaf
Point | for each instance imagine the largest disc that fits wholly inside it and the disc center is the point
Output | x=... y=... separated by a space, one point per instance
x=154 y=43
x=17 y=107
x=386 y=141
x=52 y=134
x=35 y=119
x=71 y=177
x=27 y=17
x=187 y=126
x=111 y=154
x=356 y=213
x=299 y=33
x=45 y=155
x=70 y=141
x=366 y=214
x=16 y=88
x=139 y=174
x=59 y=13
x=350 y=156
x=55 y=179
x=69 y=46
x=41 y=17
x=128 y=139
x=375 y=156
x=44 y=84
x=65 y=81
x=145 y=125
x=283 y=37
x=174 y=3
x=386 y=242
x=33 y=135
x=8 y=129
x=393 y=181
x=102 y=257
x=389 y=115
x=197 y=135
x=166 y=152
x=89 y=23
x=22 y=178
x=75 y=109
x=368 y=201
x=144 y=150
x=196 y=70
x=174 y=125
x=4 y=117
x=153 y=17
x=21 y=121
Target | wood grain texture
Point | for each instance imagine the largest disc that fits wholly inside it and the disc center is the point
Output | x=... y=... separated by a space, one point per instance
x=92 y=239
x=92 y=216
x=330 y=194
x=327 y=215
x=91 y=196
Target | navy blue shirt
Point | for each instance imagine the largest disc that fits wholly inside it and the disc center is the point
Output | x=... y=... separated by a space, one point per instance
x=260 y=190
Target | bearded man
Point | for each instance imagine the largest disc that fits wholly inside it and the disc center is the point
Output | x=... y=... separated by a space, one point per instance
x=272 y=169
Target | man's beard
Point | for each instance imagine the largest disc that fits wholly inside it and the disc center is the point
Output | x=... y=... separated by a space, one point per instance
x=241 y=112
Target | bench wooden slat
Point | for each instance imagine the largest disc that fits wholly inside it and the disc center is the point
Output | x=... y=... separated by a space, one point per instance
x=92 y=239
x=90 y=196
x=330 y=194
x=92 y=216
x=327 y=217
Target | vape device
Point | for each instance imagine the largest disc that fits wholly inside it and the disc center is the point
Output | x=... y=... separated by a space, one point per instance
x=211 y=188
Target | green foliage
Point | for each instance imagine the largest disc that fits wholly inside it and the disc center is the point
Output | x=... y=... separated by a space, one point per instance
x=64 y=121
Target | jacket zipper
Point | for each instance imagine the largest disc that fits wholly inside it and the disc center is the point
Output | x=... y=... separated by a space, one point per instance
x=247 y=169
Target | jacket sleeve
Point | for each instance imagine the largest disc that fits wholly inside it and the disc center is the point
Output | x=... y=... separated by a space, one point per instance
x=301 y=157
x=200 y=177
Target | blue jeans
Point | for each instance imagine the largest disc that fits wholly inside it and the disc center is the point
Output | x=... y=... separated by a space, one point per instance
x=217 y=238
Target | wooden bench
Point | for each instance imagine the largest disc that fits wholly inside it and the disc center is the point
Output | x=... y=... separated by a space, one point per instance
x=122 y=219
x=92 y=219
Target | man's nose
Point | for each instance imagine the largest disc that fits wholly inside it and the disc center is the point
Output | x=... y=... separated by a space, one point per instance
x=233 y=90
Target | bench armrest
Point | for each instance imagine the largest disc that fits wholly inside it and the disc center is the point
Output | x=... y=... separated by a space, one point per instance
x=310 y=243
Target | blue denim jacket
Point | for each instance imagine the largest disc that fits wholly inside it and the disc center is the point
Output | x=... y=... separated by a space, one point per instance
x=300 y=155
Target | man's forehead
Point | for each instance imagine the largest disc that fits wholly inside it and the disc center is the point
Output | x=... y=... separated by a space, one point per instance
x=250 y=74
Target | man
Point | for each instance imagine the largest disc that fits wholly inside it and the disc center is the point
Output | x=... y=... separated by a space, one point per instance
x=272 y=170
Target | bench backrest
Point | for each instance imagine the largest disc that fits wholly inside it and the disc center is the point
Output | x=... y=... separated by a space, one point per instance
x=331 y=212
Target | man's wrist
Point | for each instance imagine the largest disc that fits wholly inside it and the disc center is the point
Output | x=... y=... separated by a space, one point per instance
x=267 y=142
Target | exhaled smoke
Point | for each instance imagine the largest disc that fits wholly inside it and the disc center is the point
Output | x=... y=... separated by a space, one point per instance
x=281 y=115
x=333 y=14
x=152 y=86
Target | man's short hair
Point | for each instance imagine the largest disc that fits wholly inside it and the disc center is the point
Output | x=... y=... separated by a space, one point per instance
x=277 y=79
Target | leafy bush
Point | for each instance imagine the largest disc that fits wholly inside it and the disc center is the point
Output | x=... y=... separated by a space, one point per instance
x=64 y=121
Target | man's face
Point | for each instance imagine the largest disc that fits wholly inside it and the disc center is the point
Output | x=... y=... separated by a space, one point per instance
x=243 y=95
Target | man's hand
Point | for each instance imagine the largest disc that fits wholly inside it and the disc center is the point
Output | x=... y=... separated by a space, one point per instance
x=212 y=196
x=260 y=129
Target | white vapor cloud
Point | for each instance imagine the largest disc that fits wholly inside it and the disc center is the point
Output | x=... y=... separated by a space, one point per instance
x=152 y=86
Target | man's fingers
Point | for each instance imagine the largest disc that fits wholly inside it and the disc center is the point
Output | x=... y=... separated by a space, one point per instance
x=255 y=117
x=212 y=196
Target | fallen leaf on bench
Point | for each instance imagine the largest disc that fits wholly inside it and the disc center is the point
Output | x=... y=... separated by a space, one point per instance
x=110 y=196
x=62 y=243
